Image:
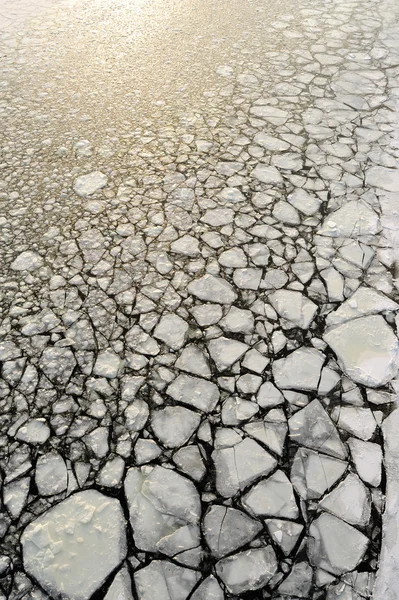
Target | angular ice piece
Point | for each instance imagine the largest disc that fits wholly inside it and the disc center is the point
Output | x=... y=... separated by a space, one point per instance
x=270 y=143
x=195 y=392
x=235 y=410
x=291 y=161
x=353 y=219
x=160 y=503
x=189 y=460
x=172 y=330
x=208 y=590
x=270 y=433
x=383 y=177
x=86 y=185
x=145 y=451
x=255 y=361
x=268 y=395
x=233 y=195
x=377 y=397
x=51 y=474
x=259 y=254
x=286 y=213
x=174 y=425
x=300 y=370
x=234 y=257
x=304 y=202
x=312 y=427
x=57 y=364
x=112 y=472
x=368 y=460
x=15 y=495
x=108 y=364
x=239 y=464
x=212 y=289
x=9 y=351
x=186 y=245
x=139 y=341
x=248 y=570
x=356 y=253
x=121 y=587
x=248 y=278
x=335 y=546
x=27 y=261
x=184 y=545
x=274 y=115
x=248 y=383
x=225 y=352
x=313 y=473
x=136 y=414
x=217 y=217
x=365 y=301
x=293 y=306
x=162 y=580
x=227 y=529
x=335 y=285
x=238 y=320
x=35 y=431
x=284 y=533
x=207 y=314
x=194 y=361
x=272 y=497
x=357 y=420
x=98 y=441
x=298 y=582
x=267 y=174
x=350 y=501
x=72 y=548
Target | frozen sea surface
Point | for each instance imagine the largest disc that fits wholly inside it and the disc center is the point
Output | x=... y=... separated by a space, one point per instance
x=199 y=237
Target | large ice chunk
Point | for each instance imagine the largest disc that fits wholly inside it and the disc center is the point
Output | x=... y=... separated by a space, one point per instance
x=334 y=545
x=225 y=352
x=162 y=580
x=312 y=473
x=273 y=497
x=367 y=350
x=248 y=570
x=294 y=307
x=227 y=529
x=350 y=501
x=195 y=392
x=300 y=370
x=73 y=547
x=174 y=425
x=86 y=185
x=239 y=464
x=312 y=427
x=212 y=289
x=164 y=510
x=351 y=220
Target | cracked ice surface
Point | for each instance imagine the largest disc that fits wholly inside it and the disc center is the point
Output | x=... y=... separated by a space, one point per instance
x=199 y=353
